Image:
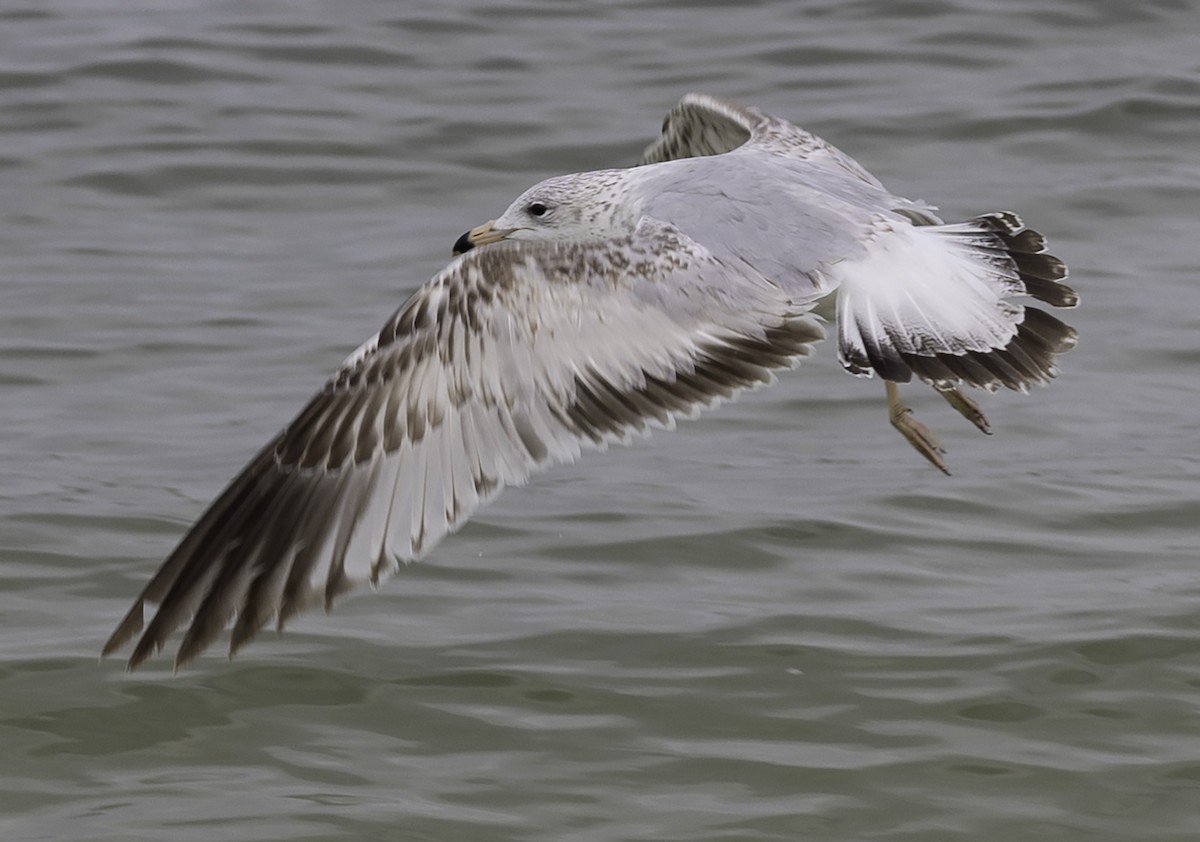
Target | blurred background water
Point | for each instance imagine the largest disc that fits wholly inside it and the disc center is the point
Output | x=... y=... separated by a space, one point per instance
x=775 y=623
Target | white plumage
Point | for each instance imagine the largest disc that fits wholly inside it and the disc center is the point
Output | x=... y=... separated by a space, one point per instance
x=599 y=306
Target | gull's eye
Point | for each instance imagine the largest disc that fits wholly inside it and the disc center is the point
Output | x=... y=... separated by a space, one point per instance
x=537 y=209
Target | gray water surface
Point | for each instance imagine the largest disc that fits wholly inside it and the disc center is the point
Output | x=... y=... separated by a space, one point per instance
x=775 y=623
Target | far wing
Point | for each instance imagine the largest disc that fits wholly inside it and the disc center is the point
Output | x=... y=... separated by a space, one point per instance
x=514 y=357
x=702 y=125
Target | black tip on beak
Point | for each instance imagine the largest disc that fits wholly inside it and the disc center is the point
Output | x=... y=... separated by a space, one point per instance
x=462 y=245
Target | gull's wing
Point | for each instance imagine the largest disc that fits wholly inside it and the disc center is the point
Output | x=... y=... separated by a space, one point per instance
x=702 y=125
x=514 y=357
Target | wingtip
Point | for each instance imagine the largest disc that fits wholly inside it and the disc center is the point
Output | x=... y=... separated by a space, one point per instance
x=146 y=646
x=182 y=659
x=135 y=661
x=129 y=627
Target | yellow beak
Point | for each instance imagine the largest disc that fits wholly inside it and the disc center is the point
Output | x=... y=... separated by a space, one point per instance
x=480 y=236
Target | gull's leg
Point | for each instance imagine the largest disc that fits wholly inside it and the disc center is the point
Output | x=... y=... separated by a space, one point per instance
x=967 y=408
x=918 y=435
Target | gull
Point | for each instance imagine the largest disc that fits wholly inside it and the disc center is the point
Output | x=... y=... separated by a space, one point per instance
x=599 y=306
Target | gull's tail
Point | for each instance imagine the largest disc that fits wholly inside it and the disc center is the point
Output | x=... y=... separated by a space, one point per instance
x=934 y=301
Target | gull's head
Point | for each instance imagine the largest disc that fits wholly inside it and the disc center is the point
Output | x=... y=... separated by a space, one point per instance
x=584 y=207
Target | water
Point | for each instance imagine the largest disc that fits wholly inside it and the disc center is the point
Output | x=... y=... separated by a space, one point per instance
x=776 y=623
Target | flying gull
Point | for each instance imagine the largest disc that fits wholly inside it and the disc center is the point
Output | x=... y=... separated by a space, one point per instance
x=597 y=306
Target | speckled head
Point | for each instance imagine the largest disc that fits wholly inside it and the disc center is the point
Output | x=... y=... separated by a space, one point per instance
x=577 y=208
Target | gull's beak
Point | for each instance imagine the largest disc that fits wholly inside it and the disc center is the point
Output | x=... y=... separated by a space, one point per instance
x=480 y=236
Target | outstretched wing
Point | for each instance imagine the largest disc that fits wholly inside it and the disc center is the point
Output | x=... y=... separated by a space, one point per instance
x=702 y=125
x=514 y=357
